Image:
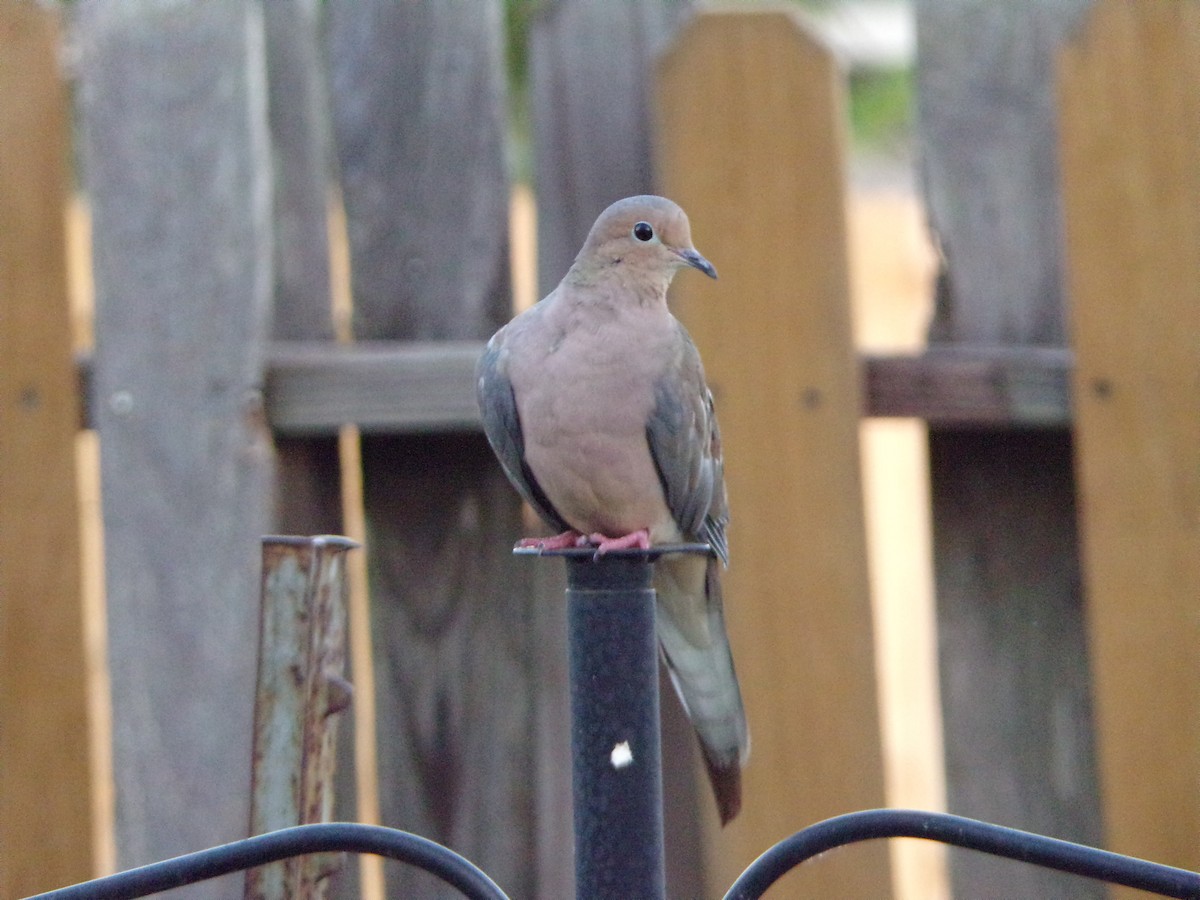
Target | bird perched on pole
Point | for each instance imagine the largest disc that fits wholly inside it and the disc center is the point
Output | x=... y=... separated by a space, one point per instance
x=595 y=402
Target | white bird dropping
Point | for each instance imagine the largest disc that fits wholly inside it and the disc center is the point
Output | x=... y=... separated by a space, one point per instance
x=621 y=755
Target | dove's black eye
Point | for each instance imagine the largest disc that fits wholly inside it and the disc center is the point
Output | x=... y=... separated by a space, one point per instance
x=642 y=231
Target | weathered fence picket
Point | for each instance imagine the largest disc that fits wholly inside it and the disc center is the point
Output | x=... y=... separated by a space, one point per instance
x=591 y=80
x=176 y=160
x=1012 y=652
x=1130 y=106
x=308 y=482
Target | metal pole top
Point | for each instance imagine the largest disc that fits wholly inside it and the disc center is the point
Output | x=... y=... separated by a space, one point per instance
x=632 y=553
x=616 y=570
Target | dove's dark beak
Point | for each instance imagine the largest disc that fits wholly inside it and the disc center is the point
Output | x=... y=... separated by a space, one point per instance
x=696 y=261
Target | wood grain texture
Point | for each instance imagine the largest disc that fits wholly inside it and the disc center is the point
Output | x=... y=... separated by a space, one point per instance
x=989 y=169
x=176 y=155
x=298 y=113
x=1013 y=656
x=469 y=696
x=308 y=481
x=418 y=112
x=45 y=782
x=381 y=386
x=1012 y=651
x=750 y=111
x=1129 y=92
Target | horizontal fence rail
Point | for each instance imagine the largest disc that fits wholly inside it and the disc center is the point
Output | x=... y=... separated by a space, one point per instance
x=314 y=388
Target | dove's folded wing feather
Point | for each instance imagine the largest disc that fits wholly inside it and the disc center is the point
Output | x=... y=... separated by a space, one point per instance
x=502 y=425
x=686 y=446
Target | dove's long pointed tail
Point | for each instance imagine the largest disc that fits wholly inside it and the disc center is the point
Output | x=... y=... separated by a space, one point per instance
x=691 y=628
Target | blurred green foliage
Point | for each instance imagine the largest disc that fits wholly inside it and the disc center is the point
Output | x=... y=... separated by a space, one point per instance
x=518 y=15
x=882 y=107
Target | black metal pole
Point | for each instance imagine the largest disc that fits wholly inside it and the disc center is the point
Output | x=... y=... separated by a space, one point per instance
x=616 y=746
x=615 y=743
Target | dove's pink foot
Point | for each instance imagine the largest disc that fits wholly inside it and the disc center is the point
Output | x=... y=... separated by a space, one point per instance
x=639 y=539
x=557 y=542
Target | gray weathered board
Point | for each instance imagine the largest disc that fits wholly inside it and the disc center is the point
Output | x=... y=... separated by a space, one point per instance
x=176 y=163
x=1014 y=671
x=308 y=496
x=469 y=702
x=591 y=72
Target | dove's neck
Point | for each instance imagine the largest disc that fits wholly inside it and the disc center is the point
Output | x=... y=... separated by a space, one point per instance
x=620 y=283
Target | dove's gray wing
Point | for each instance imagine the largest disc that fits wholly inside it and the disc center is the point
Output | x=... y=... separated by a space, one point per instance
x=686 y=446
x=502 y=425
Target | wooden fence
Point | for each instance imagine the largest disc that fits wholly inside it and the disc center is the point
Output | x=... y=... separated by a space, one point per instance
x=1060 y=389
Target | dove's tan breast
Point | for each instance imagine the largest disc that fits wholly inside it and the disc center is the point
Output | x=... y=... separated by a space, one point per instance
x=584 y=399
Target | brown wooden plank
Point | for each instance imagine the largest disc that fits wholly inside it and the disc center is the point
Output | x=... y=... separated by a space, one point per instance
x=462 y=683
x=429 y=386
x=1012 y=651
x=752 y=146
x=45 y=783
x=176 y=157
x=972 y=386
x=1130 y=104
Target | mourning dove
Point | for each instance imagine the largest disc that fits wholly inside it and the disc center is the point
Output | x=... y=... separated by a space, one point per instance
x=595 y=402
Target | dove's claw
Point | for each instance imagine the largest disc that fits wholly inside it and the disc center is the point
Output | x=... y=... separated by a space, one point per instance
x=557 y=542
x=639 y=539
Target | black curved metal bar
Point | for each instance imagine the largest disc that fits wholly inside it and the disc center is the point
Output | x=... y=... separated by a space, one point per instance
x=331 y=837
x=997 y=840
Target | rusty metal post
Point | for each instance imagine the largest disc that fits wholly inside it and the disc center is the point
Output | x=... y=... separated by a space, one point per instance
x=301 y=685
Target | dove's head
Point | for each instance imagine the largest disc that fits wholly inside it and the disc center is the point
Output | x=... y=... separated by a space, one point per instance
x=646 y=238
